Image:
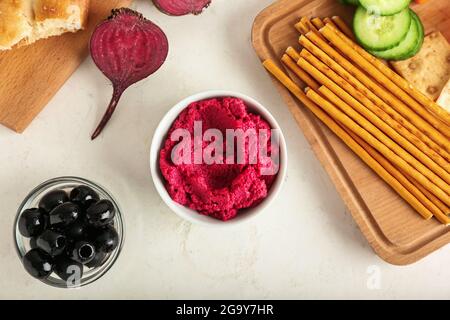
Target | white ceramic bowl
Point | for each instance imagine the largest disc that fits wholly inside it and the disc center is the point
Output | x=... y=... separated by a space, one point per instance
x=161 y=134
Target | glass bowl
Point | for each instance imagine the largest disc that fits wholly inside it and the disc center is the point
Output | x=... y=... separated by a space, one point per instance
x=67 y=183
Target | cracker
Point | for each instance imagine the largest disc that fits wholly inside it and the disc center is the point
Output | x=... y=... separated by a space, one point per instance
x=429 y=70
x=444 y=98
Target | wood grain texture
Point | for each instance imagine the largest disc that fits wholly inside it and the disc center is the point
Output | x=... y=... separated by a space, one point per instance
x=394 y=230
x=30 y=76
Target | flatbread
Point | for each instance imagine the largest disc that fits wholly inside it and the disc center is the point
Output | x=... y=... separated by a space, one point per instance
x=444 y=99
x=429 y=70
x=25 y=21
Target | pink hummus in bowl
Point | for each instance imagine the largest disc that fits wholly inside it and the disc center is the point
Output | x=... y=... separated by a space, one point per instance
x=219 y=157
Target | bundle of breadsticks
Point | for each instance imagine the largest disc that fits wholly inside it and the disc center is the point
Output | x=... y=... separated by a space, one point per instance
x=396 y=130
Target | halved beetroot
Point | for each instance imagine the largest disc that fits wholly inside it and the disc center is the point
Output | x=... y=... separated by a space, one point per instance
x=126 y=48
x=181 y=7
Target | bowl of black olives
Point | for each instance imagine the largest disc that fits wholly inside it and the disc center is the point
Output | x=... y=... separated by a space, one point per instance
x=69 y=232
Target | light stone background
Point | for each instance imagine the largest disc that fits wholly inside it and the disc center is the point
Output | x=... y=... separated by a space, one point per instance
x=305 y=245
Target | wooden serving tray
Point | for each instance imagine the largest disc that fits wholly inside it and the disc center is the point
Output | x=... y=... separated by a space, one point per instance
x=394 y=230
x=31 y=75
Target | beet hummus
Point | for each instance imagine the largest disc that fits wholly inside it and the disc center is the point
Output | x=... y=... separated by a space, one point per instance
x=218 y=190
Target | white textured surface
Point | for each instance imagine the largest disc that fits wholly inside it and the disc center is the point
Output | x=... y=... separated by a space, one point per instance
x=304 y=246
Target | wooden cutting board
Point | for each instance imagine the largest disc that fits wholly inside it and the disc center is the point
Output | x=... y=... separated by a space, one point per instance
x=395 y=231
x=30 y=76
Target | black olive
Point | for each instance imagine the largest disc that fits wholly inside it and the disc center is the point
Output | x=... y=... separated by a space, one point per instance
x=53 y=243
x=76 y=230
x=106 y=239
x=32 y=222
x=82 y=252
x=64 y=214
x=38 y=263
x=84 y=196
x=67 y=269
x=33 y=244
x=53 y=199
x=100 y=213
x=98 y=260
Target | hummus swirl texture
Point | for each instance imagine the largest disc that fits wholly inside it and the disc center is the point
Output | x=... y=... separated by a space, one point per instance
x=218 y=190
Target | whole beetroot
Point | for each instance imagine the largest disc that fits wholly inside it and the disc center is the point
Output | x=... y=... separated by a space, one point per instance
x=181 y=7
x=126 y=48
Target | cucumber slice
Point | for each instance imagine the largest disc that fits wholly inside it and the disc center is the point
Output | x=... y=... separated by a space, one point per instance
x=384 y=7
x=351 y=2
x=419 y=42
x=406 y=46
x=381 y=32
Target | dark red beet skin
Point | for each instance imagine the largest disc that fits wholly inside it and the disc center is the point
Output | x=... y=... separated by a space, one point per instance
x=181 y=7
x=126 y=48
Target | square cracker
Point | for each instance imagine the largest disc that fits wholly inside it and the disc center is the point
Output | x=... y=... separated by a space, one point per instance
x=429 y=70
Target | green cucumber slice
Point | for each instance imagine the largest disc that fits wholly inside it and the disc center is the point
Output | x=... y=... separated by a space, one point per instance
x=384 y=7
x=381 y=32
x=405 y=47
x=351 y=2
x=419 y=42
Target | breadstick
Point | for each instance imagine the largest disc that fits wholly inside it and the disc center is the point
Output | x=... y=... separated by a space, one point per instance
x=445 y=209
x=387 y=99
x=437 y=153
x=388 y=142
x=285 y=80
x=301 y=28
x=379 y=146
x=306 y=78
x=333 y=126
x=437 y=207
x=389 y=139
x=331 y=34
x=317 y=22
x=329 y=21
x=400 y=81
x=382 y=120
x=343 y=27
x=291 y=52
x=306 y=24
